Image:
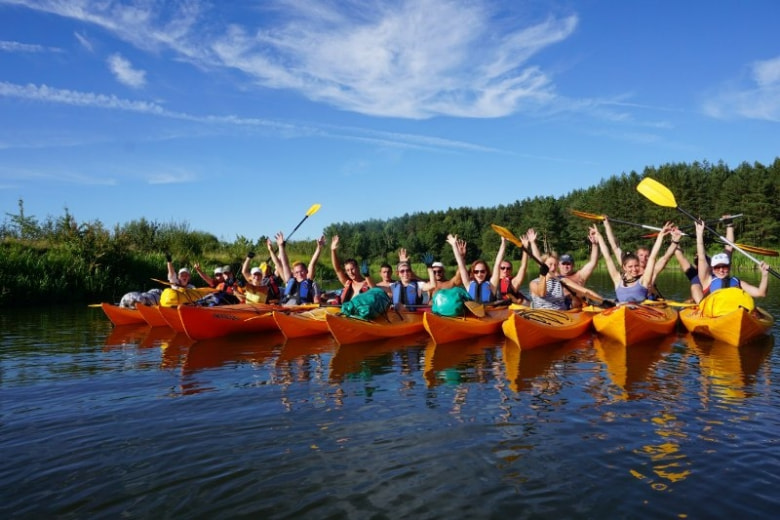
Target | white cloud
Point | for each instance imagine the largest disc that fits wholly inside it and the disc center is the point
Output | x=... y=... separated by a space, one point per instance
x=125 y=73
x=8 y=46
x=758 y=100
x=409 y=59
x=84 y=42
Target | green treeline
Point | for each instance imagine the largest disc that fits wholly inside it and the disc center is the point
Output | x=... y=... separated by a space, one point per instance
x=63 y=261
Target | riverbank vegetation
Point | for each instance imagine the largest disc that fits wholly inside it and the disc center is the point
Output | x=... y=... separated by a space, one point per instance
x=59 y=260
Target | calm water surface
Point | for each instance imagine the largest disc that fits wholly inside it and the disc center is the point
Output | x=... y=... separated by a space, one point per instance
x=134 y=422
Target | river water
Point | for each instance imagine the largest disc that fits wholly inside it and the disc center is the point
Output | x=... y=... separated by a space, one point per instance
x=135 y=422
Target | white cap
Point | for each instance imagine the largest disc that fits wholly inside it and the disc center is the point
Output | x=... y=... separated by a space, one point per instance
x=437 y=264
x=184 y=270
x=720 y=259
x=218 y=270
x=256 y=270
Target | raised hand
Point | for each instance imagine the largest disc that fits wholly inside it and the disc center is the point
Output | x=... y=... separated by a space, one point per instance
x=334 y=242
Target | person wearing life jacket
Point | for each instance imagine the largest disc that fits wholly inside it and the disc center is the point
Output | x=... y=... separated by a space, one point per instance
x=633 y=283
x=211 y=282
x=300 y=287
x=508 y=286
x=719 y=277
x=406 y=290
x=477 y=279
x=349 y=275
x=261 y=285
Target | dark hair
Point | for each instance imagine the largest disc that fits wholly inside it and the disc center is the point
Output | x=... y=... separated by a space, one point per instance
x=385 y=264
x=628 y=255
x=351 y=261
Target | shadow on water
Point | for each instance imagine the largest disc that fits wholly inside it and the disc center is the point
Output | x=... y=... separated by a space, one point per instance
x=367 y=359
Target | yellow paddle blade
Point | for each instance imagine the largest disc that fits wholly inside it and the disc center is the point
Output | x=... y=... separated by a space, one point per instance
x=161 y=281
x=657 y=192
x=313 y=209
x=582 y=214
x=504 y=232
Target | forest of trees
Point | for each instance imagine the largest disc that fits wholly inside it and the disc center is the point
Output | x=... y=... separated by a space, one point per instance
x=61 y=260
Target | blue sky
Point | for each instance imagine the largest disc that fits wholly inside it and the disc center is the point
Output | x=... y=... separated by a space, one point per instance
x=236 y=116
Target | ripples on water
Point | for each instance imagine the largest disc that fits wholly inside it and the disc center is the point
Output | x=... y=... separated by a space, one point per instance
x=137 y=422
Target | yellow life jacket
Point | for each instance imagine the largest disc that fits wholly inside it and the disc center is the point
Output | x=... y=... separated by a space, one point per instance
x=174 y=296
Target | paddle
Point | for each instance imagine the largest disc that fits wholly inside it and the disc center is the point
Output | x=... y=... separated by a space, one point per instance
x=659 y=194
x=751 y=249
x=311 y=211
x=601 y=218
x=504 y=232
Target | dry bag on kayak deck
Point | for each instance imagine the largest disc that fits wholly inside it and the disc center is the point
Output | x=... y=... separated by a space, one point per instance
x=450 y=302
x=370 y=304
x=724 y=301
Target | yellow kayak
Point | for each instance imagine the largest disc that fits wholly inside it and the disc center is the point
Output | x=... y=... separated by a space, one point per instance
x=348 y=330
x=632 y=323
x=728 y=315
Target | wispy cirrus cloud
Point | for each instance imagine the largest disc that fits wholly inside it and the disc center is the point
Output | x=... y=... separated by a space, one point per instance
x=125 y=73
x=47 y=94
x=756 y=98
x=9 y=46
x=412 y=59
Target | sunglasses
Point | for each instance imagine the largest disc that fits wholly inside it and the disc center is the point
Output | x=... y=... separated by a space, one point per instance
x=506 y=267
x=438 y=271
x=479 y=271
x=404 y=270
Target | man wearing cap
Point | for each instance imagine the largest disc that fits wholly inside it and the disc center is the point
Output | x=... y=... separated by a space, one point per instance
x=407 y=290
x=581 y=275
x=720 y=275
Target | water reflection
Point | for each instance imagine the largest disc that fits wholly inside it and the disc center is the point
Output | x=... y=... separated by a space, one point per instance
x=365 y=360
x=456 y=362
x=729 y=373
x=631 y=368
x=531 y=370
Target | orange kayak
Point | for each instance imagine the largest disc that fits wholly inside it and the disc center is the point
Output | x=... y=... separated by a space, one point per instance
x=171 y=317
x=152 y=315
x=348 y=330
x=531 y=328
x=632 y=323
x=122 y=315
x=302 y=324
x=444 y=329
x=223 y=320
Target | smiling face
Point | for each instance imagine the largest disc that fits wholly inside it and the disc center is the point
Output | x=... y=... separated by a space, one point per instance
x=643 y=254
x=351 y=269
x=721 y=270
x=479 y=271
x=631 y=267
x=506 y=269
x=405 y=273
x=565 y=268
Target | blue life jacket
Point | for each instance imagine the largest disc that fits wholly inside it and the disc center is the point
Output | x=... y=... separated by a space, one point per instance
x=481 y=294
x=722 y=283
x=302 y=291
x=408 y=295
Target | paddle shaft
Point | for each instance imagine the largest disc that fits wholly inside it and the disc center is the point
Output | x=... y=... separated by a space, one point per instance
x=729 y=242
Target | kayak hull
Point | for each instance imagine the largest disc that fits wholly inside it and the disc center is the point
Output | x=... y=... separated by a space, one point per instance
x=631 y=323
x=152 y=315
x=444 y=329
x=224 y=320
x=348 y=330
x=531 y=328
x=735 y=328
x=122 y=315
x=303 y=324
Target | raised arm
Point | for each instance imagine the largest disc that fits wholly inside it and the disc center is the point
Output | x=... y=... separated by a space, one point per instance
x=614 y=274
x=315 y=257
x=517 y=281
x=499 y=257
x=206 y=278
x=729 y=233
x=334 y=259
x=283 y=261
x=761 y=290
x=705 y=276
x=674 y=245
x=612 y=242
x=584 y=272
x=173 y=277
x=531 y=236
x=648 y=277
x=245 y=267
x=458 y=249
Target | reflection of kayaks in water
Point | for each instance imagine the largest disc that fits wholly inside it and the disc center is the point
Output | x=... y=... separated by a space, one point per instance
x=444 y=329
x=531 y=328
x=122 y=315
x=632 y=323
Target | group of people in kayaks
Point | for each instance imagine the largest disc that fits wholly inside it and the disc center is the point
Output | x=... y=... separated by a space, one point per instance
x=559 y=285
